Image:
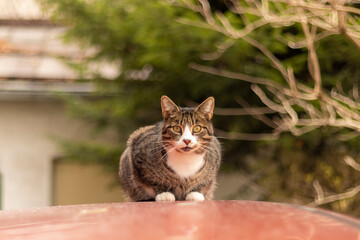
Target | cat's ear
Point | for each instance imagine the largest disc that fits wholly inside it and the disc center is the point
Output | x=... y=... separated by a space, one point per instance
x=206 y=108
x=168 y=107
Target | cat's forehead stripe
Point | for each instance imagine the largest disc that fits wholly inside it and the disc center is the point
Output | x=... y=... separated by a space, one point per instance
x=187 y=117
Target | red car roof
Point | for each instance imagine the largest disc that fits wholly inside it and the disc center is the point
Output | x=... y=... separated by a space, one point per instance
x=178 y=220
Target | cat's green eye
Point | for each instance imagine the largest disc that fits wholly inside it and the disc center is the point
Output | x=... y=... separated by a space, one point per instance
x=177 y=129
x=197 y=129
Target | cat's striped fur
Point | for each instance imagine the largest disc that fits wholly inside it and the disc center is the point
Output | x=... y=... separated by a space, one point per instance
x=172 y=160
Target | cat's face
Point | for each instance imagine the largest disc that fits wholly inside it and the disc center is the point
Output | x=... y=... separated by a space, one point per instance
x=187 y=130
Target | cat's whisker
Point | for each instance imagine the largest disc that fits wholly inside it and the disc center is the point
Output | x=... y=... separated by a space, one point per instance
x=206 y=150
x=167 y=153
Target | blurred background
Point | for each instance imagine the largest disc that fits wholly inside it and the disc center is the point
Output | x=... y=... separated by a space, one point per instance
x=77 y=77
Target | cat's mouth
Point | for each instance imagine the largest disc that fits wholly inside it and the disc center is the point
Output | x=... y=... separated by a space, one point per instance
x=186 y=149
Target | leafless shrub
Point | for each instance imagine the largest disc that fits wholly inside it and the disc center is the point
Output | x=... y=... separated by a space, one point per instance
x=319 y=20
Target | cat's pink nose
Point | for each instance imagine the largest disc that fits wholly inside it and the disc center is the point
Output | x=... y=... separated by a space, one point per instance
x=187 y=141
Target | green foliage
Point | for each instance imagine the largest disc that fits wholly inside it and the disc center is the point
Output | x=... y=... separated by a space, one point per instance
x=148 y=35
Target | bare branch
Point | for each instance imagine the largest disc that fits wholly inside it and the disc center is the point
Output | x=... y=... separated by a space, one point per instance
x=348 y=136
x=221 y=49
x=292 y=81
x=355 y=92
x=261 y=117
x=232 y=75
x=352 y=163
x=345 y=100
x=277 y=63
x=314 y=67
x=272 y=105
x=319 y=191
x=302 y=44
x=337 y=197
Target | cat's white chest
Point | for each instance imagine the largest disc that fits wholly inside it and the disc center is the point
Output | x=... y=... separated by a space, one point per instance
x=185 y=164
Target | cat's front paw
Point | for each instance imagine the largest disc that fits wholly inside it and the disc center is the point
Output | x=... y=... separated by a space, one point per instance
x=195 y=196
x=165 y=197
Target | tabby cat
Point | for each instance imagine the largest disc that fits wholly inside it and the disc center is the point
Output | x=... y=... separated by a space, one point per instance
x=176 y=159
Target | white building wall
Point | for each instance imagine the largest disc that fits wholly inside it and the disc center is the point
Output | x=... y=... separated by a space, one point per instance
x=27 y=152
x=21 y=9
x=26 y=180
